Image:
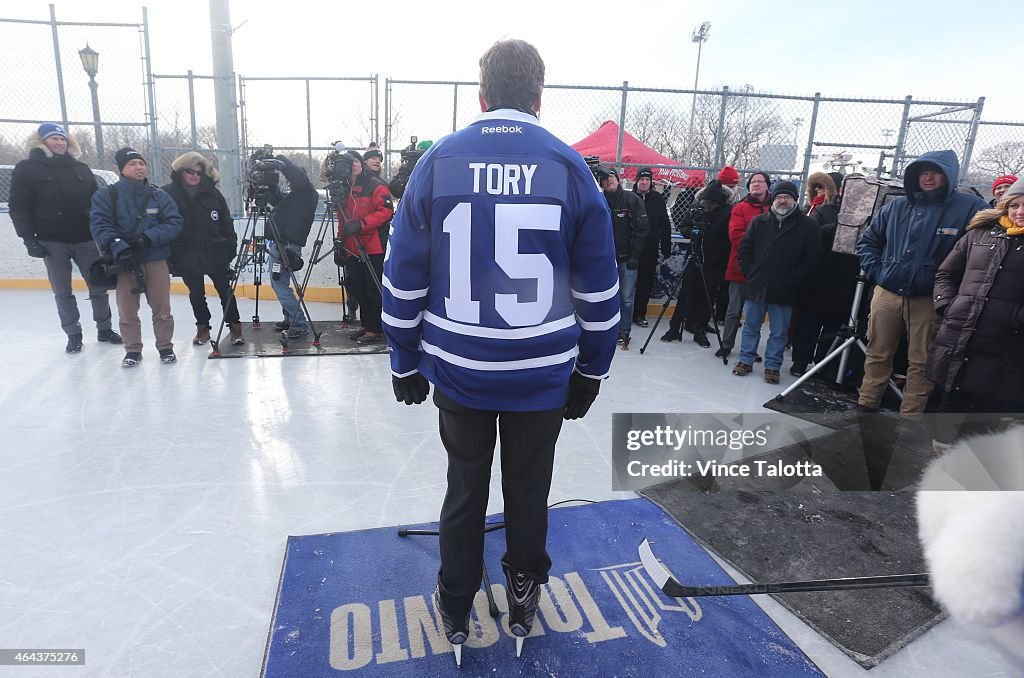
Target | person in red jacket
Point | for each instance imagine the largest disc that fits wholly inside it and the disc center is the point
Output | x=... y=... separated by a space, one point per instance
x=364 y=219
x=756 y=203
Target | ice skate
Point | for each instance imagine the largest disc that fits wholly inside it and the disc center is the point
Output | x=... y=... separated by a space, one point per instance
x=523 y=595
x=456 y=635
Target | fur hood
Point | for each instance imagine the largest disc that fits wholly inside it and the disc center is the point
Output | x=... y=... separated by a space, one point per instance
x=192 y=158
x=732 y=192
x=824 y=180
x=971 y=525
x=33 y=142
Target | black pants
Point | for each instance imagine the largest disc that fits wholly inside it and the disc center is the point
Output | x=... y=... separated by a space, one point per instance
x=197 y=296
x=645 y=280
x=367 y=289
x=352 y=287
x=527 y=457
x=692 y=304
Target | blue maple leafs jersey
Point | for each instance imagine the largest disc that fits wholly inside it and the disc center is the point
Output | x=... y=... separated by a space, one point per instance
x=500 y=273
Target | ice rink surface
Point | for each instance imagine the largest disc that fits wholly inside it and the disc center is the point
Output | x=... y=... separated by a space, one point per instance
x=144 y=512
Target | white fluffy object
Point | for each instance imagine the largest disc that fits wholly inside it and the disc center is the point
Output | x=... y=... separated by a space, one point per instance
x=974 y=540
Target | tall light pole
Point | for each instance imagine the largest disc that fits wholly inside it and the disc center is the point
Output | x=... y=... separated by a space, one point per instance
x=91 y=64
x=797 y=122
x=700 y=36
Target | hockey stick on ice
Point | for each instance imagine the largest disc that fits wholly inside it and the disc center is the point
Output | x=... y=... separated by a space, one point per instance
x=672 y=588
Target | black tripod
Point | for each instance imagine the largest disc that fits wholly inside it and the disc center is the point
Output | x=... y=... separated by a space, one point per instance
x=848 y=335
x=253 y=250
x=695 y=256
x=328 y=228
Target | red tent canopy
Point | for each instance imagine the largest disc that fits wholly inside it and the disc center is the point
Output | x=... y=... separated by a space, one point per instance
x=604 y=141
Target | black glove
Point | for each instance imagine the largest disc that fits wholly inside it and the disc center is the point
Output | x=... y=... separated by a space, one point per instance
x=632 y=264
x=35 y=248
x=351 y=228
x=411 y=390
x=141 y=242
x=127 y=260
x=582 y=393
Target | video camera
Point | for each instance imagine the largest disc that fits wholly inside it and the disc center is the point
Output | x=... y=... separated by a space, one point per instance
x=594 y=165
x=692 y=225
x=262 y=175
x=337 y=172
x=411 y=155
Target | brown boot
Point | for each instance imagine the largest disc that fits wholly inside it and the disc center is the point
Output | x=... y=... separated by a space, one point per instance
x=370 y=338
x=236 y=334
x=354 y=336
x=202 y=335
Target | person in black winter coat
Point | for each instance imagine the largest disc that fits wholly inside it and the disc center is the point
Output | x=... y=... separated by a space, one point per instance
x=659 y=235
x=207 y=245
x=629 y=228
x=979 y=295
x=710 y=243
x=51 y=193
x=779 y=252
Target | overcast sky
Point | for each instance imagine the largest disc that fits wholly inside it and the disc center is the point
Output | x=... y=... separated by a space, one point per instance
x=942 y=48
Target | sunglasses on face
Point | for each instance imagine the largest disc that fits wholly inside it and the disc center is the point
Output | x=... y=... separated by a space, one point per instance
x=195 y=173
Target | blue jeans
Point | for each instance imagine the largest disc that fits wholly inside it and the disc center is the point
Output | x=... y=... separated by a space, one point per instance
x=627 y=289
x=282 y=288
x=778 y=323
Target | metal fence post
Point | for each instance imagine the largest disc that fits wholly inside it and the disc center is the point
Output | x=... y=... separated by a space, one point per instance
x=309 y=131
x=810 y=143
x=151 y=86
x=897 y=156
x=622 y=122
x=972 y=136
x=455 y=107
x=387 y=126
x=60 y=72
x=376 y=108
x=192 y=109
x=719 y=157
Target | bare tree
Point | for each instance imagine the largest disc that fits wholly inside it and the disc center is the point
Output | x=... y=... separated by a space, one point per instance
x=1006 y=157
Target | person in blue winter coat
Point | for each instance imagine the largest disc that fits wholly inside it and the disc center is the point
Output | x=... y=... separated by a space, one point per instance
x=135 y=223
x=500 y=288
x=900 y=252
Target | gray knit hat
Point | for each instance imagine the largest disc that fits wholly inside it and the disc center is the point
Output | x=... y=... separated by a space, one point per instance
x=1016 y=189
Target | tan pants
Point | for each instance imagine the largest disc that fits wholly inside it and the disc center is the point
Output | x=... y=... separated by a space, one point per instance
x=158 y=296
x=891 y=314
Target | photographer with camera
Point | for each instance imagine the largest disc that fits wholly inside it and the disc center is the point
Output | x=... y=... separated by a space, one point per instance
x=291 y=221
x=630 y=227
x=411 y=154
x=364 y=218
x=208 y=243
x=135 y=223
x=707 y=227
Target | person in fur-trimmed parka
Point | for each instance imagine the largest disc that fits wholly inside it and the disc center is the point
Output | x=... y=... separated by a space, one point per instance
x=207 y=245
x=973 y=541
x=51 y=193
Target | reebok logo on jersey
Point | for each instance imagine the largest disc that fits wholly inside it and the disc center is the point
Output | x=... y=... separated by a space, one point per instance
x=502 y=129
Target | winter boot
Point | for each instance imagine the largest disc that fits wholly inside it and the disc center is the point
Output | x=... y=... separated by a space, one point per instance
x=701 y=339
x=741 y=369
x=457 y=632
x=109 y=336
x=370 y=338
x=722 y=353
x=202 y=335
x=771 y=376
x=354 y=336
x=131 y=359
x=167 y=356
x=237 y=339
x=74 y=343
x=624 y=340
x=672 y=335
x=523 y=594
x=282 y=325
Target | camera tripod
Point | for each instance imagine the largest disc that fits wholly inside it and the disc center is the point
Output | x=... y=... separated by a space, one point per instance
x=847 y=336
x=694 y=256
x=253 y=250
x=328 y=228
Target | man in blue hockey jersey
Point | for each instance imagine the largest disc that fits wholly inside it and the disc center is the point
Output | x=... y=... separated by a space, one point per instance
x=500 y=287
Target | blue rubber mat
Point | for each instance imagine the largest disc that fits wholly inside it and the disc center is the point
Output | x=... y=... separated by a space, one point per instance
x=360 y=603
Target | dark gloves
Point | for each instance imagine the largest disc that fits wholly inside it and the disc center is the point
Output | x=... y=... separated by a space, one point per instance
x=127 y=259
x=141 y=242
x=582 y=393
x=35 y=248
x=411 y=390
x=633 y=264
x=351 y=228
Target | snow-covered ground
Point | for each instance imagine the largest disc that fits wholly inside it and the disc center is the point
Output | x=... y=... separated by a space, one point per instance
x=144 y=512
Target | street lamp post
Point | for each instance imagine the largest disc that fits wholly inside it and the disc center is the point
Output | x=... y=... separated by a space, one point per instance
x=700 y=36
x=91 y=64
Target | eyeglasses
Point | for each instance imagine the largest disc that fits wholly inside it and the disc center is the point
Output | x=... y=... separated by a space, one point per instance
x=195 y=173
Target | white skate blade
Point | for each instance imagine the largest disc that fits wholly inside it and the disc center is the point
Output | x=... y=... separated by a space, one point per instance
x=458 y=654
x=519 y=645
